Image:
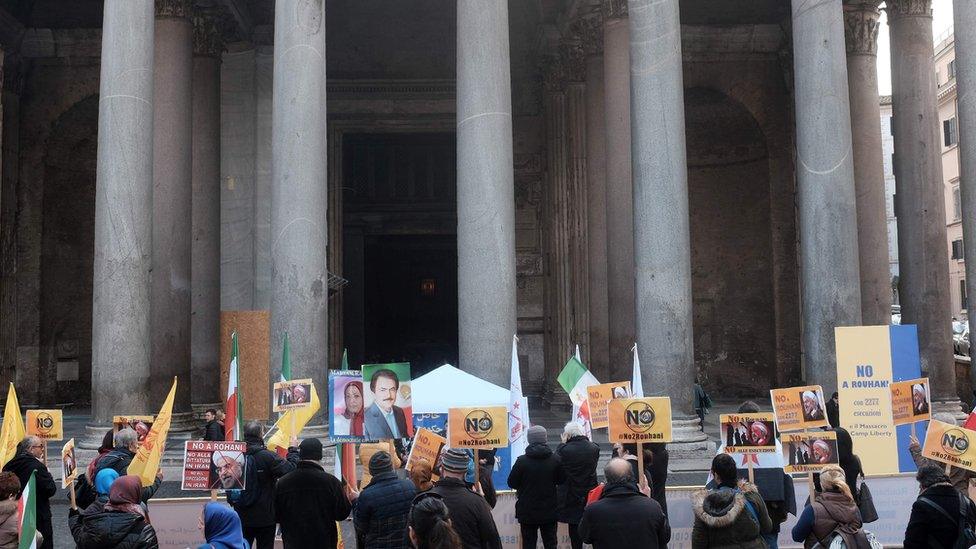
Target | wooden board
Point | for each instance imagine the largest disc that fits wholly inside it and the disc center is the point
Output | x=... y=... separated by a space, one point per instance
x=254 y=345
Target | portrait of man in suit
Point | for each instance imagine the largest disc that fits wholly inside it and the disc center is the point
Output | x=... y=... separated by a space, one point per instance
x=384 y=419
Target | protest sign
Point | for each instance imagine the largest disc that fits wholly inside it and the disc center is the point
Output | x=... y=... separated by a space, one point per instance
x=45 y=424
x=289 y=395
x=387 y=392
x=799 y=408
x=213 y=465
x=809 y=452
x=346 y=398
x=478 y=427
x=640 y=419
x=599 y=397
x=69 y=466
x=427 y=446
x=748 y=433
x=140 y=424
x=911 y=401
x=950 y=444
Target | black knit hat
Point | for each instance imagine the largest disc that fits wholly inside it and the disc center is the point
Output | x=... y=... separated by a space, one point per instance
x=380 y=463
x=311 y=449
x=455 y=461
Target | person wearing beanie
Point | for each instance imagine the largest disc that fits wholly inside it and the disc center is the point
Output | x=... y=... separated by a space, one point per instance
x=308 y=501
x=381 y=512
x=366 y=451
x=534 y=477
x=470 y=513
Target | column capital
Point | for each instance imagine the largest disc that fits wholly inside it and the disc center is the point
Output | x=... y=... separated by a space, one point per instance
x=207 y=40
x=573 y=59
x=589 y=29
x=553 y=73
x=173 y=8
x=861 y=27
x=614 y=9
x=908 y=8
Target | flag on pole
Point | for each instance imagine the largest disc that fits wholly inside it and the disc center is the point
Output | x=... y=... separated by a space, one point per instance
x=574 y=379
x=636 y=385
x=27 y=510
x=145 y=464
x=345 y=463
x=286 y=361
x=234 y=418
x=284 y=434
x=517 y=415
x=12 y=431
x=345 y=359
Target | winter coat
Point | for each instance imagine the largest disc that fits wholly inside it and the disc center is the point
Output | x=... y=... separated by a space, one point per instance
x=269 y=467
x=659 y=473
x=927 y=526
x=579 y=458
x=470 y=514
x=366 y=451
x=381 y=512
x=9 y=521
x=307 y=503
x=723 y=518
x=23 y=465
x=624 y=517
x=534 y=477
x=111 y=530
x=832 y=511
x=213 y=431
x=118 y=459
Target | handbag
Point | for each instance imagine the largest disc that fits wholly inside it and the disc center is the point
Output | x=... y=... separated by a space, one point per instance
x=865 y=503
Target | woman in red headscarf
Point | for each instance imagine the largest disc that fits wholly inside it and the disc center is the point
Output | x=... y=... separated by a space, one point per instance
x=123 y=523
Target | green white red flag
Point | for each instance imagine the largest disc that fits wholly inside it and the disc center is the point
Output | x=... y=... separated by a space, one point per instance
x=27 y=510
x=234 y=420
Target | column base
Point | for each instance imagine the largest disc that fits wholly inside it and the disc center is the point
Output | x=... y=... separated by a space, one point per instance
x=688 y=441
x=952 y=407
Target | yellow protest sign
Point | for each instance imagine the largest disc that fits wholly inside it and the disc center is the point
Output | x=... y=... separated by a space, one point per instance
x=12 y=431
x=599 y=397
x=950 y=444
x=427 y=446
x=911 y=401
x=145 y=464
x=640 y=419
x=69 y=465
x=748 y=433
x=478 y=427
x=45 y=424
x=799 y=408
x=809 y=452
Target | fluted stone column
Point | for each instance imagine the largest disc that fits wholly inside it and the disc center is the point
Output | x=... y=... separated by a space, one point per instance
x=829 y=274
x=123 y=212
x=964 y=13
x=574 y=59
x=620 y=190
x=485 y=193
x=662 y=238
x=861 y=30
x=299 y=197
x=919 y=201
x=205 y=251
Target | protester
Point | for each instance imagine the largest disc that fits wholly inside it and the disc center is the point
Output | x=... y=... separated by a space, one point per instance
x=486 y=484
x=470 y=513
x=959 y=477
x=103 y=484
x=579 y=458
x=430 y=524
x=656 y=459
x=833 y=410
x=732 y=515
x=421 y=475
x=213 y=430
x=935 y=517
x=833 y=513
x=84 y=485
x=849 y=462
x=29 y=459
x=126 y=445
x=9 y=517
x=309 y=501
x=122 y=524
x=534 y=477
x=221 y=528
x=380 y=516
x=366 y=452
x=624 y=516
x=255 y=504
x=702 y=403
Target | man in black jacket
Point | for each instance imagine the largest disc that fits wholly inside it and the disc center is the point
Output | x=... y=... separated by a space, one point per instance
x=257 y=515
x=119 y=459
x=579 y=458
x=383 y=508
x=624 y=516
x=213 y=430
x=535 y=476
x=27 y=460
x=470 y=513
x=308 y=501
x=935 y=514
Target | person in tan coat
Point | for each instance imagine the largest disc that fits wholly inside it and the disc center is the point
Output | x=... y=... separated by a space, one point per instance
x=833 y=511
x=9 y=520
x=732 y=515
x=959 y=477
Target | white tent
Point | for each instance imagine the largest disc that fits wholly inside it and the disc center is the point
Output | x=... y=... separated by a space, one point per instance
x=448 y=387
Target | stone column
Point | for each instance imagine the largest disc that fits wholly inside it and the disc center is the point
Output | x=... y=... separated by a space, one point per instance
x=662 y=238
x=299 y=198
x=964 y=13
x=123 y=212
x=205 y=251
x=620 y=190
x=485 y=190
x=829 y=275
x=861 y=30
x=919 y=202
x=172 y=174
x=574 y=58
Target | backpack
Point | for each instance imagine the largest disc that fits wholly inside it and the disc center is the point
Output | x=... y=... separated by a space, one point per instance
x=251 y=493
x=835 y=539
x=966 y=538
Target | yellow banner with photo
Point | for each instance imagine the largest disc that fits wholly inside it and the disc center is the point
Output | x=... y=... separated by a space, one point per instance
x=478 y=427
x=911 y=401
x=809 y=452
x=799 y=408
x=748 y=433
x=950 y=444
x=640 y=419
x=599 y=397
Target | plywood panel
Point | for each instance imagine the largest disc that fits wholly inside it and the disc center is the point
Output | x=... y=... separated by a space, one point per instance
x=254 y=348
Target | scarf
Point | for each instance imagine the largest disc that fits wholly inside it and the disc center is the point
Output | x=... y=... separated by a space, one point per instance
x=104 y=480
x=125 y=496
x=222 y=527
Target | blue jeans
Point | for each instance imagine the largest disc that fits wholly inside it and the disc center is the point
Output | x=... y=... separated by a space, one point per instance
x=772 y=540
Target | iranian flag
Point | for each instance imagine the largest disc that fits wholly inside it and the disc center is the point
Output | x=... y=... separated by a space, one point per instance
x=234 y=422
x=574 y=379
x=971 y=420
x=286 y=361
x=27 y=509
x=345 y=463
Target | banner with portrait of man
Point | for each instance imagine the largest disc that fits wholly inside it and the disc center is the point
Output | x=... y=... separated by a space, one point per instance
x=69 y=464
x=213 y=465
x=799 y=408
x=289 y=395
x=748 y=433
x=140 y=424
x=911 y=401
x=809 y=452
x=388 y=412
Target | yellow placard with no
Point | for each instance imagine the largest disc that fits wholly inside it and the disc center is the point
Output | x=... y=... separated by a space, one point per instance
x=799 y=408
x=45 y=424
x=640 y=419
x=599 y=397
x=478 y=427
x=950 y=444
x=748 y=433
x=809 y=452
x=427 y=446
x=911 y=401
